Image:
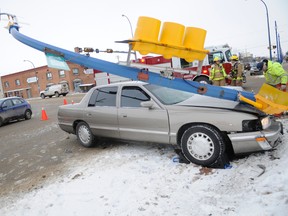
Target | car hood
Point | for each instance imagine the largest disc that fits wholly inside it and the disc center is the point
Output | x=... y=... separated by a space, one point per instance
x=210 y=102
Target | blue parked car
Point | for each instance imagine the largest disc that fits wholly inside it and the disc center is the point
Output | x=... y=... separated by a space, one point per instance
x=14 y=108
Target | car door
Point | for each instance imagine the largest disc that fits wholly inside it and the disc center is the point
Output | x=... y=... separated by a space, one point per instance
x=19 y=106
x=101 y=112
x=141 y=123
x=7 y=110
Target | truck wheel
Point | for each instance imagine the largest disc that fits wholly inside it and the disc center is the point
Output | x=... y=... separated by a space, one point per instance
x=202 y=79
x=84 y=135
x=202 y=144
x=57 y=94
x=42 y=96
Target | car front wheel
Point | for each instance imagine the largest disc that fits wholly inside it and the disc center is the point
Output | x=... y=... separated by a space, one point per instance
x=202 y=144
x=42 y=96
x=84 y=135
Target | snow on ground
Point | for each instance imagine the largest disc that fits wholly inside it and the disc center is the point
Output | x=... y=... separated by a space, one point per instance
x=142 y=179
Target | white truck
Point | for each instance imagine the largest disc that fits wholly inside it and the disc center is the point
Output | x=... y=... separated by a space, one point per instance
x=55 y=90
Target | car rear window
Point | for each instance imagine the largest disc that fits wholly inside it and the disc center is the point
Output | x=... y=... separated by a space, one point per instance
x=105 y=96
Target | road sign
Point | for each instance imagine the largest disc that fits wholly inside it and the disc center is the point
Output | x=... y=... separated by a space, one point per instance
x=55 y=61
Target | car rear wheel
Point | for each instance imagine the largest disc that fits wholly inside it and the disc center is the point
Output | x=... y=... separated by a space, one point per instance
x=28 y=114
x=1 y=121
x=84 y=135
x=202 y=144
x=57 y=94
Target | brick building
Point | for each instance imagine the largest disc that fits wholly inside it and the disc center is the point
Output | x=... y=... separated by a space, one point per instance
x=30 y=82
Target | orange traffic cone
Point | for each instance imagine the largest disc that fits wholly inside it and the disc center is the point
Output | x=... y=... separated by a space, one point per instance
x=65 y=101
x=44 y=116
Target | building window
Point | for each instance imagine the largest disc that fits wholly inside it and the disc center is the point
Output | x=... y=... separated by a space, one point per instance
x=17 y=82
x=6 y=84
x=61 y=73
x=49 y=75
x=75 y=71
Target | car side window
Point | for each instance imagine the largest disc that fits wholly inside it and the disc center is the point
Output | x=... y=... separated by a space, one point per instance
x=16 y=101
x=7 y=104
x=105 y=96
x=132 y=96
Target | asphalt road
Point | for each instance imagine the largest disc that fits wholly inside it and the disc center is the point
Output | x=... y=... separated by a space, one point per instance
x=34 y=151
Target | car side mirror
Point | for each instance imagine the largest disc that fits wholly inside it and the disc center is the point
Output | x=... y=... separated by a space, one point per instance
x=147 y=104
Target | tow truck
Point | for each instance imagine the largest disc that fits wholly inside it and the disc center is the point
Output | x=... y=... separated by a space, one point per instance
x=268 y=100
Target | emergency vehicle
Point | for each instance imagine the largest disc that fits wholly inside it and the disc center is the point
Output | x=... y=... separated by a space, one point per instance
x=197 y=70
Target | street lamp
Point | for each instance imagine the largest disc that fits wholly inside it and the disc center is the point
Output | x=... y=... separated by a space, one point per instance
x=123 y=15
x=35 y=74
x=270 y=48
x=130 y=46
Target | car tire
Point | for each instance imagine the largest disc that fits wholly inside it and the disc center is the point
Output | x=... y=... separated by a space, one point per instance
x=1 y=122
x=202 y=79
x=28 y=114
x=42 y=96
x=202 y=144
x=84 y=135
x=57 y=94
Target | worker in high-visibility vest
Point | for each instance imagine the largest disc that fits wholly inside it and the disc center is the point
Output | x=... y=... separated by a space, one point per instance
x=237 y=71
x=217 y=73
x=274 y=74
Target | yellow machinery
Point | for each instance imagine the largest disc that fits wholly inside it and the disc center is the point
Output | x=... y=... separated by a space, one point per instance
x=269 y=100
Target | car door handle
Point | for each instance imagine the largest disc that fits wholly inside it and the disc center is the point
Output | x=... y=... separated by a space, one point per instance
x=124 y=115
x=89 y=114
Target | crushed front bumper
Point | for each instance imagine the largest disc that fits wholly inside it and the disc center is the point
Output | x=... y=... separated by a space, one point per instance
x=257 y=141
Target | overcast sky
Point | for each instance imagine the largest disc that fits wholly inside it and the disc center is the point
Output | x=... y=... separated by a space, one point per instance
x=98 y=24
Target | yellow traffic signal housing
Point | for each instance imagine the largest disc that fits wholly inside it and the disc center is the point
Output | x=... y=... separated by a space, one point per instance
x=174 y=40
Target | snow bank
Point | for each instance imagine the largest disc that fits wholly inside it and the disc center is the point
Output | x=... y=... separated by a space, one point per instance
x=143 y=180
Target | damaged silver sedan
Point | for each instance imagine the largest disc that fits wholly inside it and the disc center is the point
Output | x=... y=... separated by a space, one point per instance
x=205 y=130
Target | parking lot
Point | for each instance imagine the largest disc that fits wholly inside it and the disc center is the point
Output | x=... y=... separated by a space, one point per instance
x=33 y=151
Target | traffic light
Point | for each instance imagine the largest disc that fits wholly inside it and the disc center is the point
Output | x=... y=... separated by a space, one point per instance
x=88 y=49
x=109 y=50
x=78 y=50
x=174 y=40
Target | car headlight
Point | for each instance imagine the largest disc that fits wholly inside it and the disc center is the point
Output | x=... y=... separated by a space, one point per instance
x=266 y=122
x=251 y=125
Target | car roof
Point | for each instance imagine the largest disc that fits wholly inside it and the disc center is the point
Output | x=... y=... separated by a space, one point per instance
x=122 y=83
x=2 y=99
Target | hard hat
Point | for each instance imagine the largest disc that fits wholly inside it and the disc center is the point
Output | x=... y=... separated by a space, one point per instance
x=234 y=58
x=216 y=59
